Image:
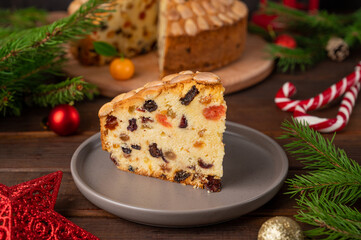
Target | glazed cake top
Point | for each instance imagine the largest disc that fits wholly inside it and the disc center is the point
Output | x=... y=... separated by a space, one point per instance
x=191 y=17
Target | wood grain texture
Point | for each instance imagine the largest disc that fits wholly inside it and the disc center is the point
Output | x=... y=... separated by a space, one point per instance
x=27 y=151
x=253 y=67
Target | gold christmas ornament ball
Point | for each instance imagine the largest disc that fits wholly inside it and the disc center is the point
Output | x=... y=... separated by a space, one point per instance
x=280 y=228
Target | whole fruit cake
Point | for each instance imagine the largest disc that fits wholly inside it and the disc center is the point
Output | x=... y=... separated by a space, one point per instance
x=170 y=129
x=200 y=35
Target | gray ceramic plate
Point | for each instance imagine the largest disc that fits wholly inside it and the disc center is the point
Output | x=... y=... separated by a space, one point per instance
x=255 y=167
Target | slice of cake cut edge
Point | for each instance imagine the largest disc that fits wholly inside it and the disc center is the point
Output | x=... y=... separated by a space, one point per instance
x=170 y=129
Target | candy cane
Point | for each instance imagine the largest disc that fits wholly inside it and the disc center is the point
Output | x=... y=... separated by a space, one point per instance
x=283 y=101
x=326 y=125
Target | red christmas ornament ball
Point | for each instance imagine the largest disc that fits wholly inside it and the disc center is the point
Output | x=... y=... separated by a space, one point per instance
x=64 y=119
x=285 y=40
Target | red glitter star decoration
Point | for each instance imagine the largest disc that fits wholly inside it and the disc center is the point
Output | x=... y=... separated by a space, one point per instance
x=27 y=212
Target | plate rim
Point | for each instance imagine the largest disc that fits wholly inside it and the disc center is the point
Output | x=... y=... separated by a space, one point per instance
x=276 y=185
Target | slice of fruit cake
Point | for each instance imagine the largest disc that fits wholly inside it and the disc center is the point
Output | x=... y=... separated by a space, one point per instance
x=170 y=129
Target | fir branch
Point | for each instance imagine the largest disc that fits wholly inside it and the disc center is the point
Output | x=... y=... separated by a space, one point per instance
x=255 y=29
x=78 y=24
x=289 y=59
x=75 y=89
x=334 y=220
x=22 y=18
x=332 y=185
x=27 y=57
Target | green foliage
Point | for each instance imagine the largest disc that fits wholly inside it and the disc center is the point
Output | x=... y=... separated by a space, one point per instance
x=74 y=89
x=329 y=189
x=105 y=49
x=311 y=32
x=30 y=57
x=20 y=19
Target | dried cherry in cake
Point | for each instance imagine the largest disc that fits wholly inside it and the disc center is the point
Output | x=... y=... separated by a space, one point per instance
x=183 y=122
x=213 y=184
x=155 y=151
x=111 y=122
x=190 y=95
x=126 y=150
x=202 y=164
x=132 y=125
x=146 y=119
x=181 y=175
x=135 y=146
x=162 y=119
x=150 y=106
x=214 y=112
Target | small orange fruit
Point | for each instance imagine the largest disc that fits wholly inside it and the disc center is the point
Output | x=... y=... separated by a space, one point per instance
x=121 y=68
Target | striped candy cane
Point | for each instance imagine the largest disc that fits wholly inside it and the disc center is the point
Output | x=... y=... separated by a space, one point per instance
x=283 y=95
x=326 y=125
x=350 y=86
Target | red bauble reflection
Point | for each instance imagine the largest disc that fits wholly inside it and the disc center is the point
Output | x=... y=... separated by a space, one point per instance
x=64 y=119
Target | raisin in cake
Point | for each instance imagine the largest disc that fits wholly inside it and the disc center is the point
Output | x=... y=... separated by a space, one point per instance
x=170 y=129
x=200 y=35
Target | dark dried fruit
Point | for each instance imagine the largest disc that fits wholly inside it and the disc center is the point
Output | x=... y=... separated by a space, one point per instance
x=170 y=155
x=130 y=168
x=111 y=122
x=124 y=137
x=147 y=119
x=202 y=164
x=132 y=125
x=113 y=160
x=126 y=150
x=213 y=184
x=184 y=122
x=154 y=151
x=135 y=146
x=181 y=176
x=150 y=106
x=191 y=94
x=192 y=167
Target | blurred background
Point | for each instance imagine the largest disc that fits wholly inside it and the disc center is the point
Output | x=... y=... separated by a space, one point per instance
x=55 y=5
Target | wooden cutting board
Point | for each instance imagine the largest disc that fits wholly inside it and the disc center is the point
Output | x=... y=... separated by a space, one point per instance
x=253 y=66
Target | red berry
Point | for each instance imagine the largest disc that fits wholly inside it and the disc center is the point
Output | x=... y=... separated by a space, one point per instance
x=285 y=40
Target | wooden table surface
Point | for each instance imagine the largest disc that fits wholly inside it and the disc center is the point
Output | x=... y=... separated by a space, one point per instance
x=27 y=152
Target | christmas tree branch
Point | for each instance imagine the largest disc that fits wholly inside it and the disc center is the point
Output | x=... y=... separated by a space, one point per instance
x=27 y=57
x=337 y=221
x=74 y=89
x=22 y=18
x=332 y=185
